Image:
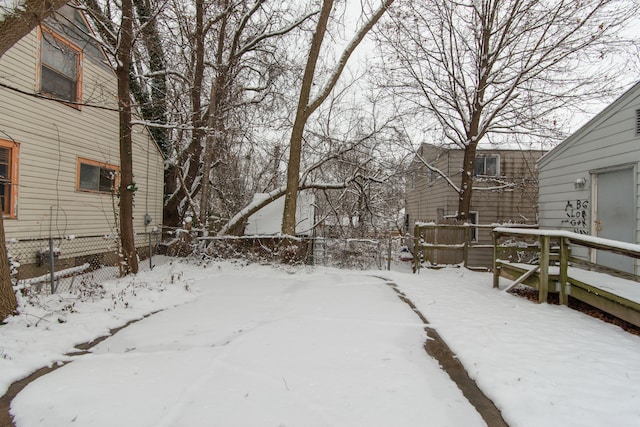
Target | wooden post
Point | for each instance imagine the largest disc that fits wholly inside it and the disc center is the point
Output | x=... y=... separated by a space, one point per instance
x=467 y=242
x=543 y=284
x=416 y=248
x=496 y=271
x=564 y=266
x=435 y=251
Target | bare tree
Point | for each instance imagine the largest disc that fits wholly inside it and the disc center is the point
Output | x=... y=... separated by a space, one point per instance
x=307 y=105
x=371 y=203
x=496 y=70
x=308 y=180
x=127 y=186
x=153 y=102
x=226 y=85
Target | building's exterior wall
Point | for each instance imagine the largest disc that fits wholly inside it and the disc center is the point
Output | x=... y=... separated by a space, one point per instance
x=607 y=142
x=431 y=192
x=428 y=191
x=52 y=136
x=431 y=199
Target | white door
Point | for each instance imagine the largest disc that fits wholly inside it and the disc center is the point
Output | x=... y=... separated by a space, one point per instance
x=615 y=217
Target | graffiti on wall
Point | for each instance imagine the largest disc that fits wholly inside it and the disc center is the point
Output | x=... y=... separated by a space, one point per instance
x=576 y=212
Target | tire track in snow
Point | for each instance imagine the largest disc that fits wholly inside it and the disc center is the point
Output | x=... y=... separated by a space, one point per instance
x=439 y=350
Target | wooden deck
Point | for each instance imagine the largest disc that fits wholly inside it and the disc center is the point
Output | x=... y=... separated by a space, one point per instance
x=557 y=272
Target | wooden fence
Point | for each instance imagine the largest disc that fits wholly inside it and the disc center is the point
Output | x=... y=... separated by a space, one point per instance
x=453 y=244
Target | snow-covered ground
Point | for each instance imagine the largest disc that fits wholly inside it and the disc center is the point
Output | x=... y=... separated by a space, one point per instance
x=251 y=345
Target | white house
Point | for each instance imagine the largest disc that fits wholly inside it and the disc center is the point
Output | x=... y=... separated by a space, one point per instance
x=268 y=220
x=59 y=142
x=589 y=183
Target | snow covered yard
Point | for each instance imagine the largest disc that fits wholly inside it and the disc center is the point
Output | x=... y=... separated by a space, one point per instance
x=250 y=345
x=543 y=365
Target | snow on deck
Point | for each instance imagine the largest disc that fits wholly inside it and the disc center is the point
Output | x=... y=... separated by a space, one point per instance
x=625 y=288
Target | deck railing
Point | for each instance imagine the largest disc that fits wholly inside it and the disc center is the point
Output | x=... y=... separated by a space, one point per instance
x=556 y=249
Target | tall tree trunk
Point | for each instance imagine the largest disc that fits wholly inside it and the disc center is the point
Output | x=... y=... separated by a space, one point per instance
x=305 y=108
x=8 y=302
x=214 y=122
x=189 y=159
x=156 y=110
x=302 y=115
x=474 y=132
x=127 y=186
x=466 y=186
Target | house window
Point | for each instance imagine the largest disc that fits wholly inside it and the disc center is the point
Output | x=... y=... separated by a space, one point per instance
x=8 y=177
x=486 y=165
x=60 y=68
x=96 y=177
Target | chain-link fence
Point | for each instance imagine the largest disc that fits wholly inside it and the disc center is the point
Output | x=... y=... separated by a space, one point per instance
x=63 y=264
x=364 y=254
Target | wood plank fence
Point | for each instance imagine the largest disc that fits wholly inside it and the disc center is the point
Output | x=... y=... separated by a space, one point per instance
x=455 y=243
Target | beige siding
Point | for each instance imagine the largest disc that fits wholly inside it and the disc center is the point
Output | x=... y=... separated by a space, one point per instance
x=53 y=135
x=493 y=206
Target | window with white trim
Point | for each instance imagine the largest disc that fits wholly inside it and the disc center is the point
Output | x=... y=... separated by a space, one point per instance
x=486 y=165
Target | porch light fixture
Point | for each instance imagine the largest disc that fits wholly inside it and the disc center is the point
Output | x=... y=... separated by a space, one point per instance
x=579 y=183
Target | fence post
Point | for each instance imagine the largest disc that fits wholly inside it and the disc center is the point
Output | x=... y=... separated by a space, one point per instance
x=416 y=248
x=52 y=267
x=465 y=250
x=389 y=255
x=435 y=250
x=564 y=265
x=543 y=284
x=150 y=253
x=496 y=271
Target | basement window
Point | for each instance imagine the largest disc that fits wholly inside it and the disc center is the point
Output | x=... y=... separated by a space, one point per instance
x=96 y=177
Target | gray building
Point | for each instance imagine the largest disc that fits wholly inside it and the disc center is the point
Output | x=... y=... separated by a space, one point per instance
x=589 y=183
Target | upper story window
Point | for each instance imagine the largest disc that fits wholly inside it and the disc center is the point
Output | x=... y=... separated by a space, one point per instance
x=60 y=67
x=488 y=165
x=8 y=177
x=96 y=177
